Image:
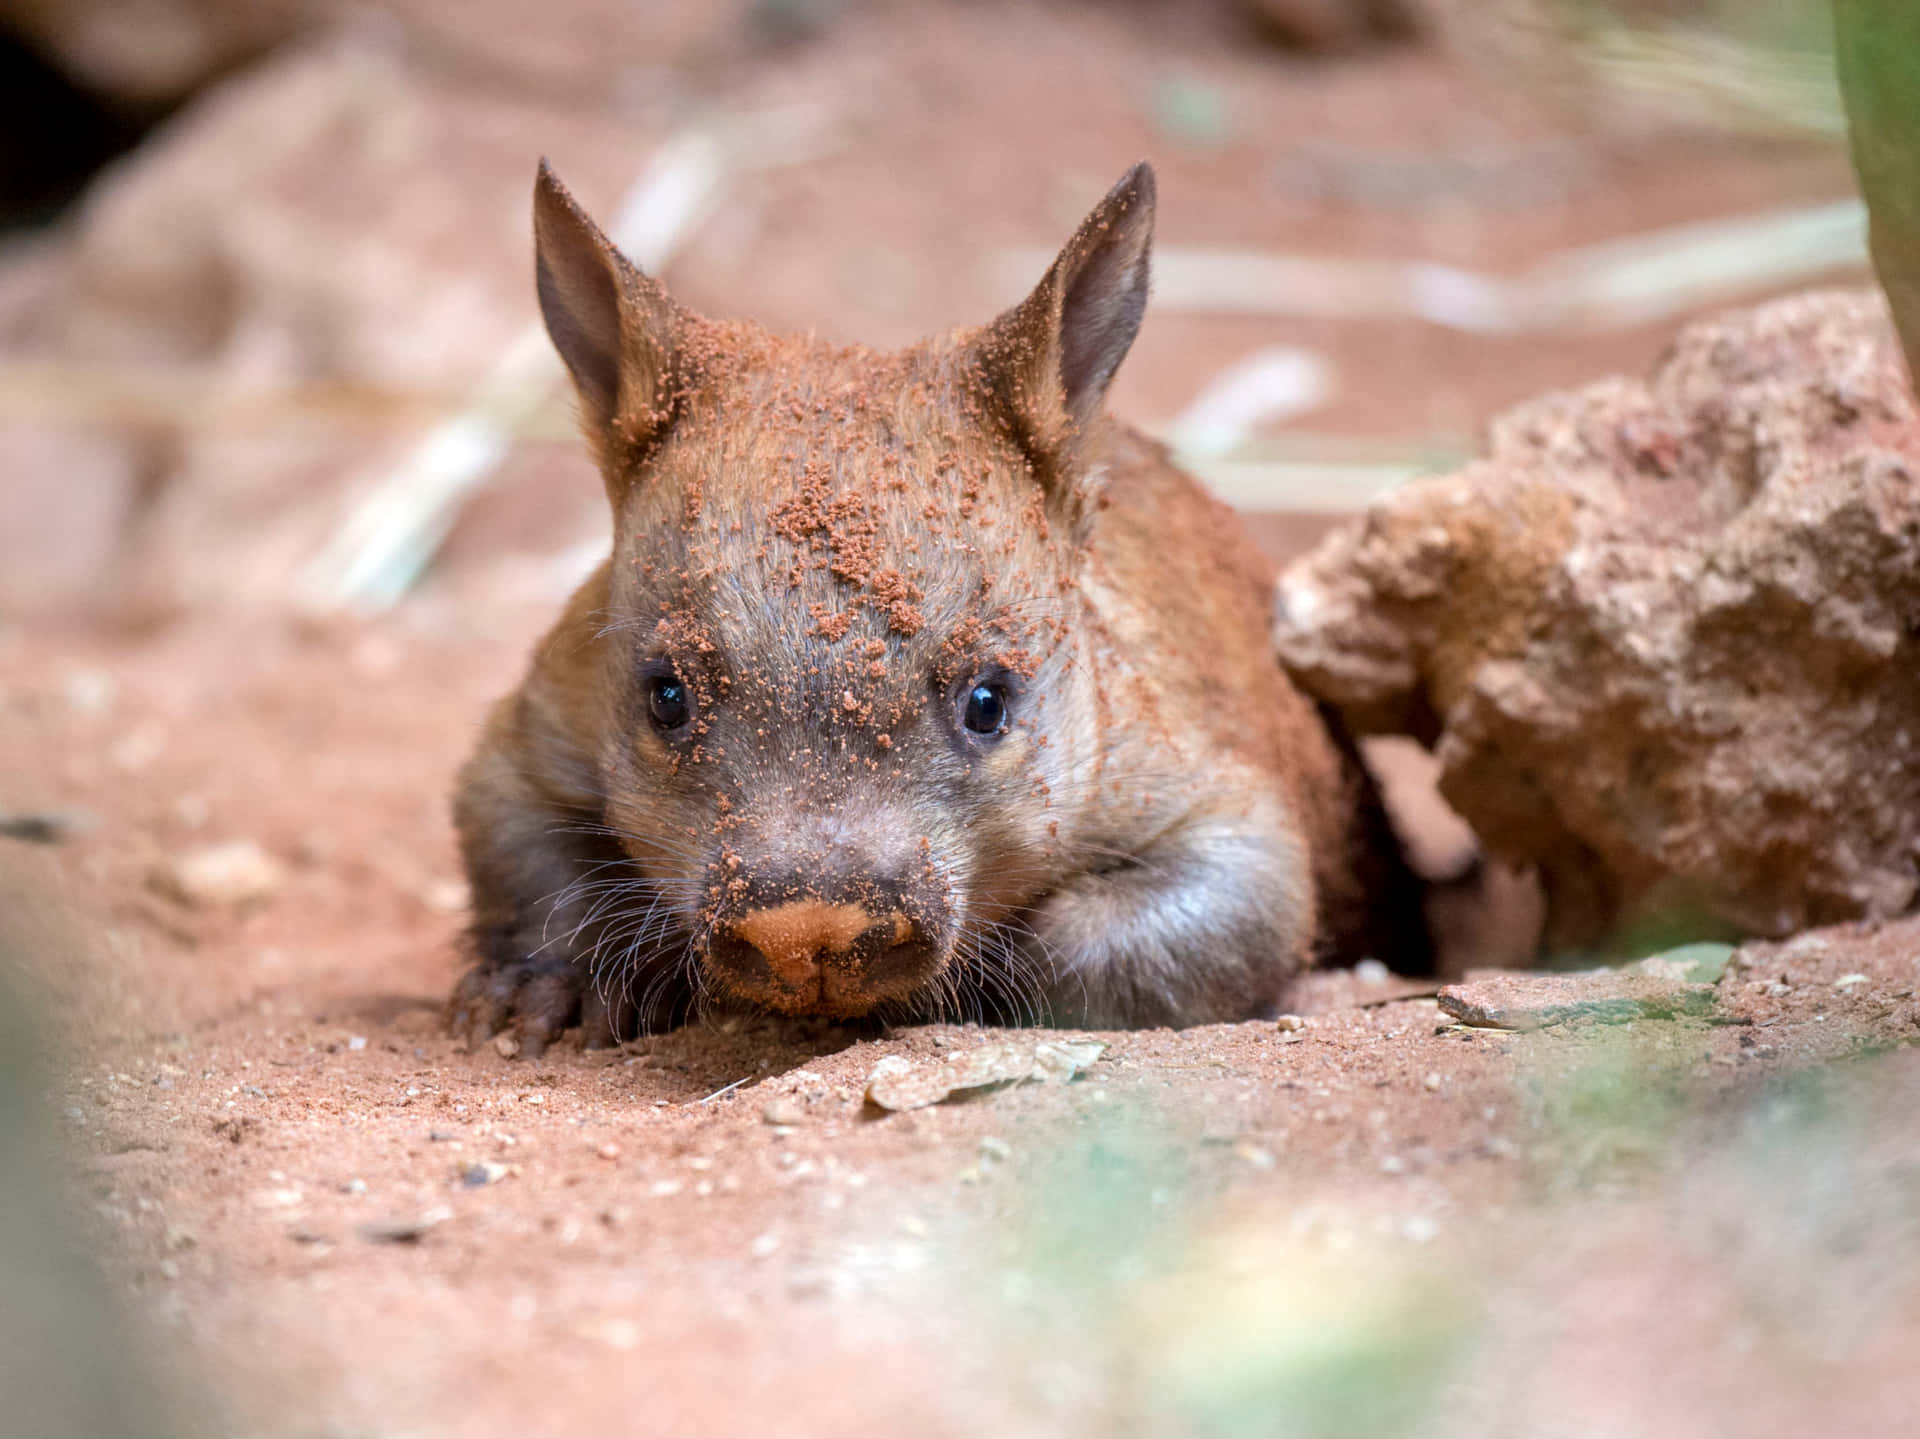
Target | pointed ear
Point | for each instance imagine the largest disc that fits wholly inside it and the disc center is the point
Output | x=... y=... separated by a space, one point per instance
x=616 y=329
x=1048 y=361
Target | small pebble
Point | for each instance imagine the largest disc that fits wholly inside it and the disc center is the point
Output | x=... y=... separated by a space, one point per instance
x=783 y=1112
x=402 y=1231
x=483 y=1172
x=506 y=1046
x=621 y=1334
x=356 y=1041
x=445 y=896
x=1433 y=1080
x=998 y=1150
x=1290 y=1024
x=1371 y=971
x=764 y=1246
x=236 y=873
x=49 y=828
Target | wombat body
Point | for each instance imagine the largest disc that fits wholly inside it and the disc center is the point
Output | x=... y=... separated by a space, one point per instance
x=914 y=685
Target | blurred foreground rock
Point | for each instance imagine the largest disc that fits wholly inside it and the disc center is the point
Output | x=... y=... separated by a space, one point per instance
x=69 y=1366
x=1665 y=640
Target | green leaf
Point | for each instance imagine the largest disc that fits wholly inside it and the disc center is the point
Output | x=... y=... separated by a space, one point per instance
x=1877 y=46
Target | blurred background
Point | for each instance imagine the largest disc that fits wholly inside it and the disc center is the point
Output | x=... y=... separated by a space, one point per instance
x=288 y=485
x=265 y=320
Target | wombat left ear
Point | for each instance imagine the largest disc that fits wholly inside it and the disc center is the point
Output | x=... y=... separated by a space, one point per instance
x=614 y=326
x=1048 y=361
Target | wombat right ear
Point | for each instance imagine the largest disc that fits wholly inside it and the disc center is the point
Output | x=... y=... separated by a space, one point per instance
x=615 y=327
x=1048 y=361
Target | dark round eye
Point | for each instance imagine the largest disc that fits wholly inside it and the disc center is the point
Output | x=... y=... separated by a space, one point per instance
x=986 y=712
x=667 y=702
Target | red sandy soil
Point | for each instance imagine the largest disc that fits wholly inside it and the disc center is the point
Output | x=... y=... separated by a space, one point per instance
x=249 y=1091
x=1378 y=1223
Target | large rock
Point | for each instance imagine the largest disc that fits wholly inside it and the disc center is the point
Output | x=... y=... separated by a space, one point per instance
x=261 y=310
x=147 y=55
x=1665 y=640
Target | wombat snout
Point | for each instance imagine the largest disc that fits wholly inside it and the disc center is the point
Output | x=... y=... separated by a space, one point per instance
x=804 y=947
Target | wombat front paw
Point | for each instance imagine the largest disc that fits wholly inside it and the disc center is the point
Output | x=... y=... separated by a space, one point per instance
x=533 y=1000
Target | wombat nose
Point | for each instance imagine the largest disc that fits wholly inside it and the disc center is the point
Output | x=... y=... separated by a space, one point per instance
x=813 y=955
x=792 y=938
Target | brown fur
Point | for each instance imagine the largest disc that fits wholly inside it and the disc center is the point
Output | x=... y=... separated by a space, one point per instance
x=827 y=550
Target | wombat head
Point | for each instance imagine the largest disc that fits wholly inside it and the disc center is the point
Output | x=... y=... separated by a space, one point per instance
x=845 y=707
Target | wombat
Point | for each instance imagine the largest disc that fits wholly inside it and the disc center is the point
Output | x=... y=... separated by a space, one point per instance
x=914 y=686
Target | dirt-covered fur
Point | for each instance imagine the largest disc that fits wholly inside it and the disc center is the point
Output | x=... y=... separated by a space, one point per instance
x=913 y=685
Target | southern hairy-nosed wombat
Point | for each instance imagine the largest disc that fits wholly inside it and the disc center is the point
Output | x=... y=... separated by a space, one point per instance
x=914 y=685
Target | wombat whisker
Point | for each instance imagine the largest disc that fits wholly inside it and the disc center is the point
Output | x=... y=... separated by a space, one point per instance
x=1004 y=968
x=637 y=932
x=1028 y=948
x=655 y=843
x=1125 y=858
x=623 y=861
x=615 y=892
x=563 y=899
x=614 y=946
x=604 y=897
x=989 y=987
x=659 y=986
x=623 y=969
x=611 y=622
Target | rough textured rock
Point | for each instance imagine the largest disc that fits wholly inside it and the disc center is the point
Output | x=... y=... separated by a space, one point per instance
x=236 y=873
x=1665 y=640
x=149 y=54
x=1497 y=999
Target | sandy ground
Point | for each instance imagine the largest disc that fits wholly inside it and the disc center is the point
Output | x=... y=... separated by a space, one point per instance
x=1380 y=1222
x=343 y=1224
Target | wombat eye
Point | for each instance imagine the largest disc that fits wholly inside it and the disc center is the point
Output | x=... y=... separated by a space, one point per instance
x=986 y=711
x=667 y=702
